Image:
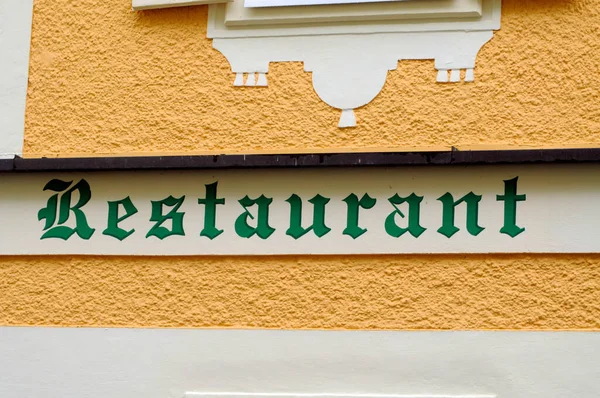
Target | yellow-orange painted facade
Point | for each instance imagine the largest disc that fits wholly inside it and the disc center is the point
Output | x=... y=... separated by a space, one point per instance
x=106 y=81
x=361 y=292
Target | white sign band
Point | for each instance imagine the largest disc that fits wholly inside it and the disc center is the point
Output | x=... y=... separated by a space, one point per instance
x=483 y=209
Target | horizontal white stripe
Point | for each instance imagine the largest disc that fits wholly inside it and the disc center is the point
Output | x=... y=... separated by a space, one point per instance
x=552 y=212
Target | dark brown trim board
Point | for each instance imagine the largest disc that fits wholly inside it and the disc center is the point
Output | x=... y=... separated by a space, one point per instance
x=366 y=159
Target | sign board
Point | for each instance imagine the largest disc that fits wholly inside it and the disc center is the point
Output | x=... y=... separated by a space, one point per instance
x=476 y=209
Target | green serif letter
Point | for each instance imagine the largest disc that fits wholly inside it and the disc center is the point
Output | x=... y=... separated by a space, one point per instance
x=414 y=214
x=510 y=199
x=112 y=228
x=448 y=228
x=176 y=218
x=210 y=211
x=318 y=226
x=354 y=205
x=262 y=229
x=54 y=227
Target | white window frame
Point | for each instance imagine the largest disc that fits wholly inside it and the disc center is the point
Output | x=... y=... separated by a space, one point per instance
x=237 y=14
x=284 y=3
x=151 y=4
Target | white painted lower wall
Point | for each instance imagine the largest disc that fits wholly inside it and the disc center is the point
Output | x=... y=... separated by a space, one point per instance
x=169 y=363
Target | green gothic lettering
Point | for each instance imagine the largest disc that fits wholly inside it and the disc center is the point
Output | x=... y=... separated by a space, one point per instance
x=210 y=203
x=159 y=218
x=366 y=202
x=318 y=226
x=58 y=211
x=448 y=228
x=63 y=215
x=113 y=228
x=510 y=199
x=414 y=214
x=262 y=229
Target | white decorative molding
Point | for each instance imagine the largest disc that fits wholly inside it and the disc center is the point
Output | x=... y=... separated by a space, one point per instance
x=15 y=37
x=350 y=58
x=196 y=363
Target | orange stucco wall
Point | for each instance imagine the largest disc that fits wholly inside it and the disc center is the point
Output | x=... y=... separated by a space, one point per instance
x=108 y=81
x=383 y=292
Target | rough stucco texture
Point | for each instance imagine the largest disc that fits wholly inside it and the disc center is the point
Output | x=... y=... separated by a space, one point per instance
x=387 y=292
x=107 y=80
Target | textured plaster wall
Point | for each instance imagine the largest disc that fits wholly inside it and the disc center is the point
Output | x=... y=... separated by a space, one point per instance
x=395 y=292
x=107 y=80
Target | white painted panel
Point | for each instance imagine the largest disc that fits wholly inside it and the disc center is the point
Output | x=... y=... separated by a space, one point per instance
x=558 y=213
x=167 y=363
x=15 y=37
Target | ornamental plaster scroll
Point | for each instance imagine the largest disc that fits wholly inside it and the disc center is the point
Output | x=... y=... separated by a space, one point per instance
x=349 y=64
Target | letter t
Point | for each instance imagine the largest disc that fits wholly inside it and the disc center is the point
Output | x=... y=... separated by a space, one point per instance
x=210 y=211
x=510 y=199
